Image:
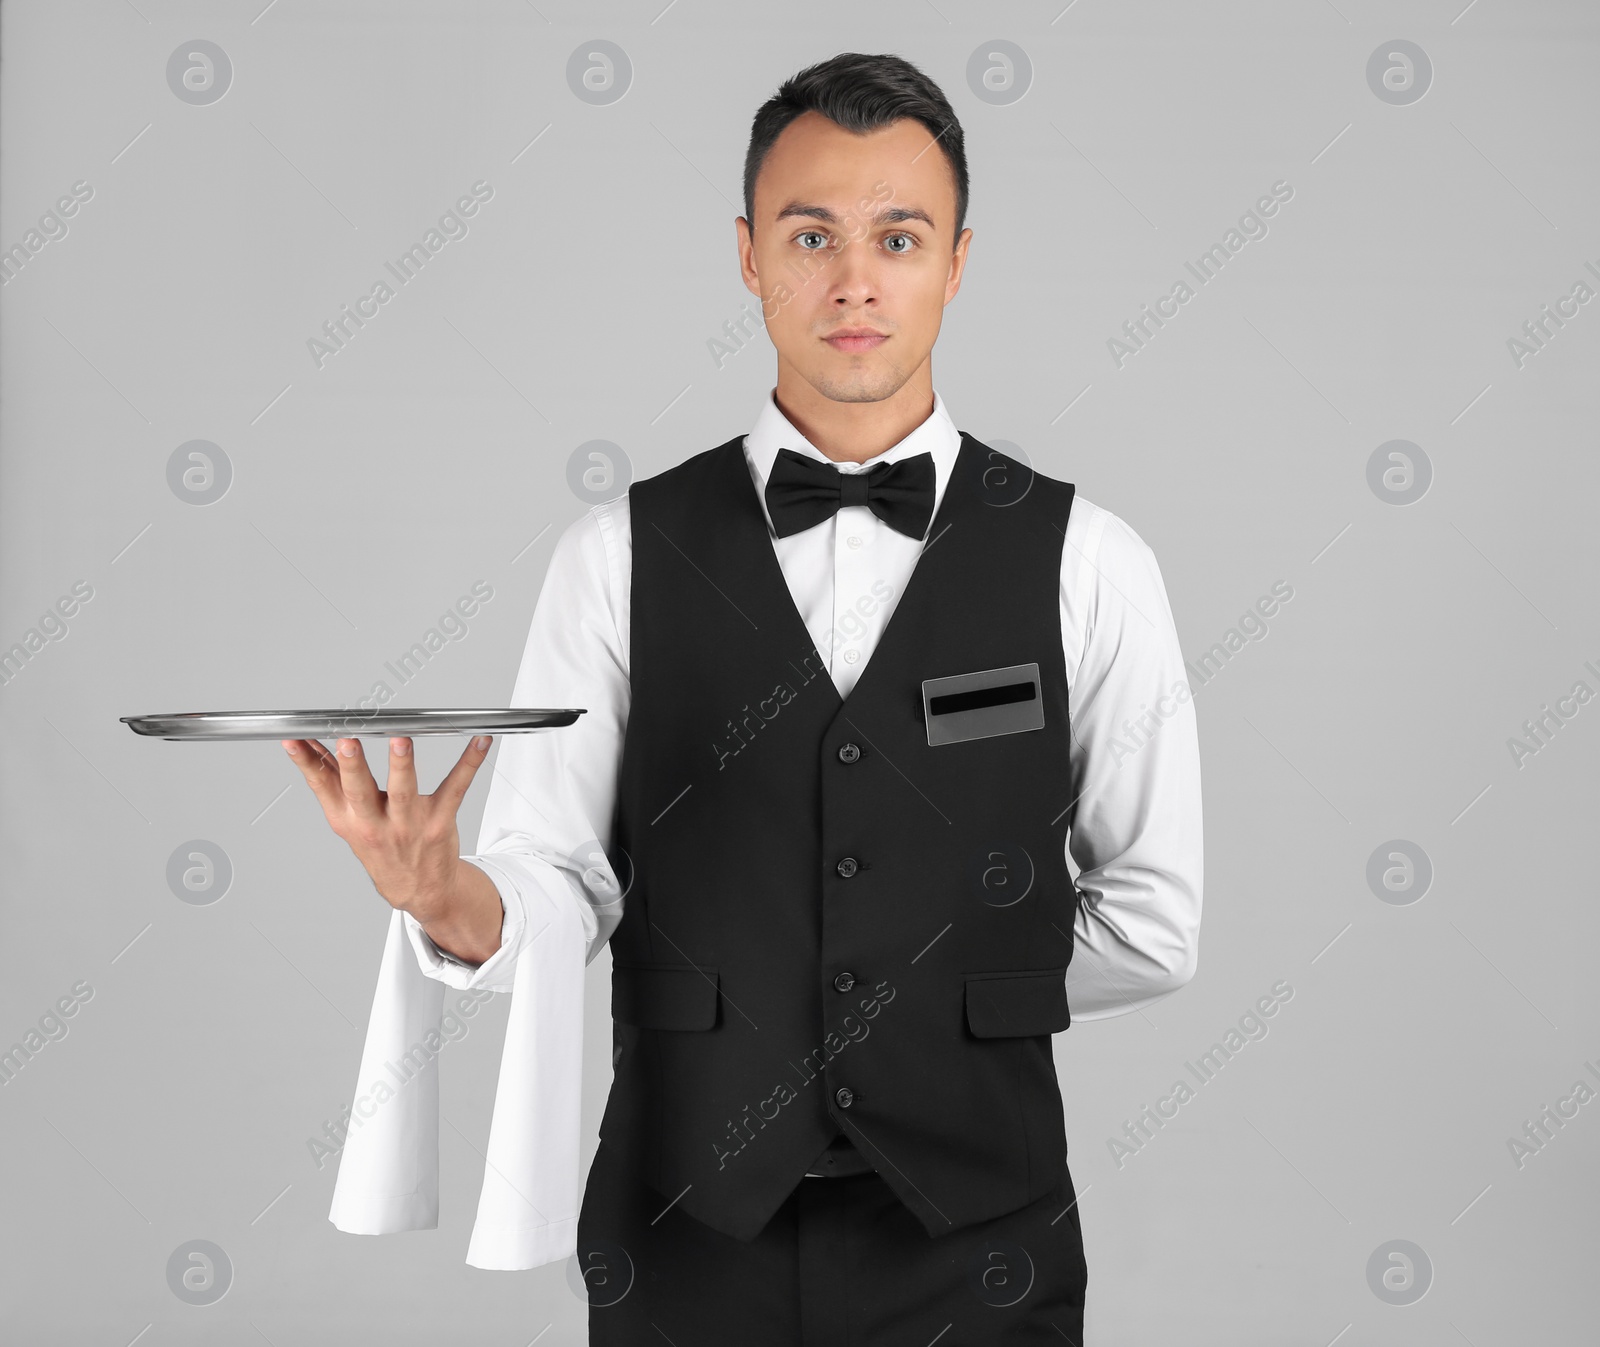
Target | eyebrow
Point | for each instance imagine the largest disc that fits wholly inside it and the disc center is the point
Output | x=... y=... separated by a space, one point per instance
x=888 y=215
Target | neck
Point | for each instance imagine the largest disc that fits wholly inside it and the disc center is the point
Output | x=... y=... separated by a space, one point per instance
x=853 y=432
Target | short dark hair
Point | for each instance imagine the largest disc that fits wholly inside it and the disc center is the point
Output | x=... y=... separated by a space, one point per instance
x=860 y=93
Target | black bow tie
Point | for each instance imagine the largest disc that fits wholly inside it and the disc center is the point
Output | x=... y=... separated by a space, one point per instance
x=803 y=491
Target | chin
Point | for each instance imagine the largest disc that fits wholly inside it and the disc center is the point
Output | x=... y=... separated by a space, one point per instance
x=864 y=386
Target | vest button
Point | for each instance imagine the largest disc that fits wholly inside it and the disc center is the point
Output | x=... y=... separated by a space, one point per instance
x=849 y=752
x=848 y=866
x=844 y=982
x=843 y=1097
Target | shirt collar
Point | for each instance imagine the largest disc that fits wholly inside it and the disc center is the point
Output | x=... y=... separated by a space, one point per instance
x=773 y=431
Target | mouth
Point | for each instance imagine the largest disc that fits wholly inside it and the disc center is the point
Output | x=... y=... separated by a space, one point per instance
x=853 y=340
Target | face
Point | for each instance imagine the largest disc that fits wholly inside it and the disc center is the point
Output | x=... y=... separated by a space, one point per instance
x=853 y=233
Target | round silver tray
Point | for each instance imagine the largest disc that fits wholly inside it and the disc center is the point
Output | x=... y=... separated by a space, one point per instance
x=347 y=724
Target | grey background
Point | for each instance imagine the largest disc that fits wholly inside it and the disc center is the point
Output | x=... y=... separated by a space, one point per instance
x=433 y=453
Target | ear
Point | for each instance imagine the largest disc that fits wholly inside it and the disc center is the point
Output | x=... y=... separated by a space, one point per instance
x=958 y=265
x=747 y=255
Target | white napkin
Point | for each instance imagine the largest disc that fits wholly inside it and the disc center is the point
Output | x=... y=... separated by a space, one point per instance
x=388 y=1178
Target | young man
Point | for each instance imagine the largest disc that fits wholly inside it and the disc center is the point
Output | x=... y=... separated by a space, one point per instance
x=856 y=683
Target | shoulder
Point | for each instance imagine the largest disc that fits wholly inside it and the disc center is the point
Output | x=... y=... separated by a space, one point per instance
x=1101 y=537
x=593 y=551
x=606 y=528
x=1110 y=581
x=600 y=541
x=690 y=473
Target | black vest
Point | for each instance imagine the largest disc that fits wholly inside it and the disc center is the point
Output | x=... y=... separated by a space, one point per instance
x=831 y=926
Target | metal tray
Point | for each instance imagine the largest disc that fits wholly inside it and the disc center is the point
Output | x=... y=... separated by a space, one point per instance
x=348 y=724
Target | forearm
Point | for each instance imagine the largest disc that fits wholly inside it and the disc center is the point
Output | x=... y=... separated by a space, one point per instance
x=466 y=922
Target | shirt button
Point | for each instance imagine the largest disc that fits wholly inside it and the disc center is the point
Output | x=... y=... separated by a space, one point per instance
x=843 y=1096
x=852 y=543
x=851 y=655
x=844 y=982
x=849 y=752
x=848 y=866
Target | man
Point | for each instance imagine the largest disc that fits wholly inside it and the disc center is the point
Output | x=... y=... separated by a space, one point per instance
x=850 y=682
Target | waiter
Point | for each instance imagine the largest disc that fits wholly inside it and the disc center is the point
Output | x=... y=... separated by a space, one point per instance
x=856 y=682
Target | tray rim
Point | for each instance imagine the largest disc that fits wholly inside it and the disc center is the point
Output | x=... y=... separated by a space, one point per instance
x=393 y=722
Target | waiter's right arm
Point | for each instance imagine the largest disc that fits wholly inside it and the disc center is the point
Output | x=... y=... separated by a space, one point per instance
x=552 y=795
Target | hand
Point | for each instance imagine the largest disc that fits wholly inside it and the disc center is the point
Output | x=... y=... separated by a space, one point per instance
x=407 y=842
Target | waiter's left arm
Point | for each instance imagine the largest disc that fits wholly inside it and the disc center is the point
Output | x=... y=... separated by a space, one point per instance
x=1135 y=774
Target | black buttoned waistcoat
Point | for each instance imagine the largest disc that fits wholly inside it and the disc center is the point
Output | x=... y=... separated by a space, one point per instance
x=830 y=925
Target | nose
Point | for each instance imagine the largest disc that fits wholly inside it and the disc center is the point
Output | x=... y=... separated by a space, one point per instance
x=852 y=279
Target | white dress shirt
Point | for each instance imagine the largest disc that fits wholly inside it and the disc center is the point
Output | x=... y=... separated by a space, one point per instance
x=1135 y=835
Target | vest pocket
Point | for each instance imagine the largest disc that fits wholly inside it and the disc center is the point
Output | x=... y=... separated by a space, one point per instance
x=1012 y=1005
x=664 y=996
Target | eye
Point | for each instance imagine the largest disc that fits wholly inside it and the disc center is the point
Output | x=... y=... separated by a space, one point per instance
x=910 y=242
x=812 y=234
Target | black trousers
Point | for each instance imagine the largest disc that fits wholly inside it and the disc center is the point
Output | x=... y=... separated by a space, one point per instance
x=842 y=1263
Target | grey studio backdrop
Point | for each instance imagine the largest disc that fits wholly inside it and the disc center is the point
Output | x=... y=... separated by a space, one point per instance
x=1362 y=449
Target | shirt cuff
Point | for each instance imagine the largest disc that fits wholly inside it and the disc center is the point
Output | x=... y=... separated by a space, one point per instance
x=499 y=969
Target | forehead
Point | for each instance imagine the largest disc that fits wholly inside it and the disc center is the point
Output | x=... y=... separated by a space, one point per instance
x=817 y=160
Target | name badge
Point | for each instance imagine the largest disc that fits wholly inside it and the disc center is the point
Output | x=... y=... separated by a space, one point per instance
x=983 y=704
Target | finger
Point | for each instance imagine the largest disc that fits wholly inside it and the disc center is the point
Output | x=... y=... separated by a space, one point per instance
x=325 y=761
x=355 y=780
x=321 y=772
x=402 y=783
x=453 y=789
